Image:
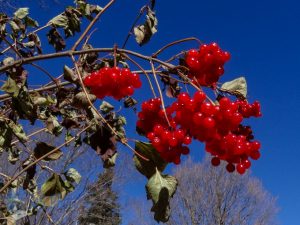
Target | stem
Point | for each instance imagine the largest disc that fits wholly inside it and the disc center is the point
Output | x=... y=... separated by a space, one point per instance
x=160 y=93
x=174 y=43
x=133 y=25
x=144 y=71
x=92 y=24
x=45 y=71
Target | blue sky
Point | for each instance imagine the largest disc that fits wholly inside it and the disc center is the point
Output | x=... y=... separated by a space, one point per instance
x=263 y=39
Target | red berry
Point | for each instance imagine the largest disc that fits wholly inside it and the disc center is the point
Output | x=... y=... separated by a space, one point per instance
x=187 y=140
x=230 y=168
x=215 y=161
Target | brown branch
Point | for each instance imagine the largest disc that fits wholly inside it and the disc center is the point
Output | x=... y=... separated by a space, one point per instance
x=92 y=24
x=80 y=52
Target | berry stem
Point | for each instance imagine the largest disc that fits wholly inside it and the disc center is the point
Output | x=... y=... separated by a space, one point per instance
x=160 y=92
x=144 y=71
x=175 y=43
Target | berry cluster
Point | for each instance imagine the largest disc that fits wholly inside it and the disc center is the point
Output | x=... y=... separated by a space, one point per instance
x=167 y=140
x=206 y=64
x=115 y=82
x=218 y=126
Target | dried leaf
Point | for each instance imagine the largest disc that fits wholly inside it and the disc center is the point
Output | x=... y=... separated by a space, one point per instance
x=43 y=148
x=144 y=32
x=21 y=13
x=72 y=175
x=238 y=85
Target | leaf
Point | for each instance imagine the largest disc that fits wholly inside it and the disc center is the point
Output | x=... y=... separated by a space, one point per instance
x=238 y=85
x=129 y=102
x=13 y=154
x=106 y=107
x=43 y=148
x=8 y=61
x=29 y=44
x=56 y=40
x=31 y=22
x=21 y=13
x=103 y=142
x=11 y=87
x=30 y=172
x=110 y=162
x=161 y=188
x=143 y=33
x=80 y=100
x=53 y=190
x=19 y=214
x=53 y=126
x=148 y=168
x=69 y=74
x=72 y=175
x=18 y=131
x=14 y=26
x=60 y=21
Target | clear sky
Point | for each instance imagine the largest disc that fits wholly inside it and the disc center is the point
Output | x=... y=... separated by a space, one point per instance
x=263 y=39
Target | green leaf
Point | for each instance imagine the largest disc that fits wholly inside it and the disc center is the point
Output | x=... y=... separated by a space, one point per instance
x=11 y=87
x=148 y=168
x=143 y=33
x=69 y=74
x=59 y=21
x=110 y=162
x=238 y=85
x=53 y=190
x=21 y=13
x=72 y=175
x=106 y=107
x=160 y=189
x=43 y=148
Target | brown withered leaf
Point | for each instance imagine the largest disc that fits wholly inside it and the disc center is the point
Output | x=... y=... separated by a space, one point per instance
x=103 y=142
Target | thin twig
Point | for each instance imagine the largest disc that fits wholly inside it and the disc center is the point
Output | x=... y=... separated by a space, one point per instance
x=46 y=72
x=133 y=25
x=144 y=71
x=92 y=24
x=160 y=93
x=174 y=43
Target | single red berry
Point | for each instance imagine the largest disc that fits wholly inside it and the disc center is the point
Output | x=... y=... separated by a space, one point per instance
x=240 y=168
x=230 y=168
x=187 y=140
x=215 y=161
